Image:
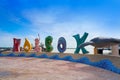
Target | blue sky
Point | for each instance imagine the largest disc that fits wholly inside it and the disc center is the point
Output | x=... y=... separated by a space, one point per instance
x=26 y=18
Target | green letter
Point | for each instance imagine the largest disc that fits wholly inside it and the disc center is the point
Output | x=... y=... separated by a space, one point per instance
x=80 y=41
x=48 y=41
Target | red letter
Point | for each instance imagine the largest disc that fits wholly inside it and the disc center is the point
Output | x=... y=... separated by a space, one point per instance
x=16 y=46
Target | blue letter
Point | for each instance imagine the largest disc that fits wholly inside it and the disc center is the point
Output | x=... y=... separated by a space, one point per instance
x=61 y=44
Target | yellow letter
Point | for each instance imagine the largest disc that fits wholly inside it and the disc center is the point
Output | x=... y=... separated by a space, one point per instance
x=27 y=45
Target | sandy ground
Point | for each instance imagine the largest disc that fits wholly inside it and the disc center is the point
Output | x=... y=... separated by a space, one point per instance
x=47 y=69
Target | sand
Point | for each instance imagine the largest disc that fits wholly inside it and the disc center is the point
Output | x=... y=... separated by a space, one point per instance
x=18 y=68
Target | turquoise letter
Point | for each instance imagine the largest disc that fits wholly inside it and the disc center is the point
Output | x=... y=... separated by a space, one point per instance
x=80 y=41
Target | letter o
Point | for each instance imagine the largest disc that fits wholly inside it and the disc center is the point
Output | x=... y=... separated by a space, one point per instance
x=61 y=44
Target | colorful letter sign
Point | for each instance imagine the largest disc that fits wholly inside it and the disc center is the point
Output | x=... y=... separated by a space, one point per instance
x=80 y=41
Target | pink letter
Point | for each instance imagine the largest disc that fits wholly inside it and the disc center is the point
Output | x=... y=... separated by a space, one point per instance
x=37 y=47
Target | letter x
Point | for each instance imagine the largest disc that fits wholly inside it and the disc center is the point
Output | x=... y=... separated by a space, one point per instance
x=80 y=41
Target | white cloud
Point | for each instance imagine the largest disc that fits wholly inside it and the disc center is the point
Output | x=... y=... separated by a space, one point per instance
x=6 y=39
x=38 y=18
